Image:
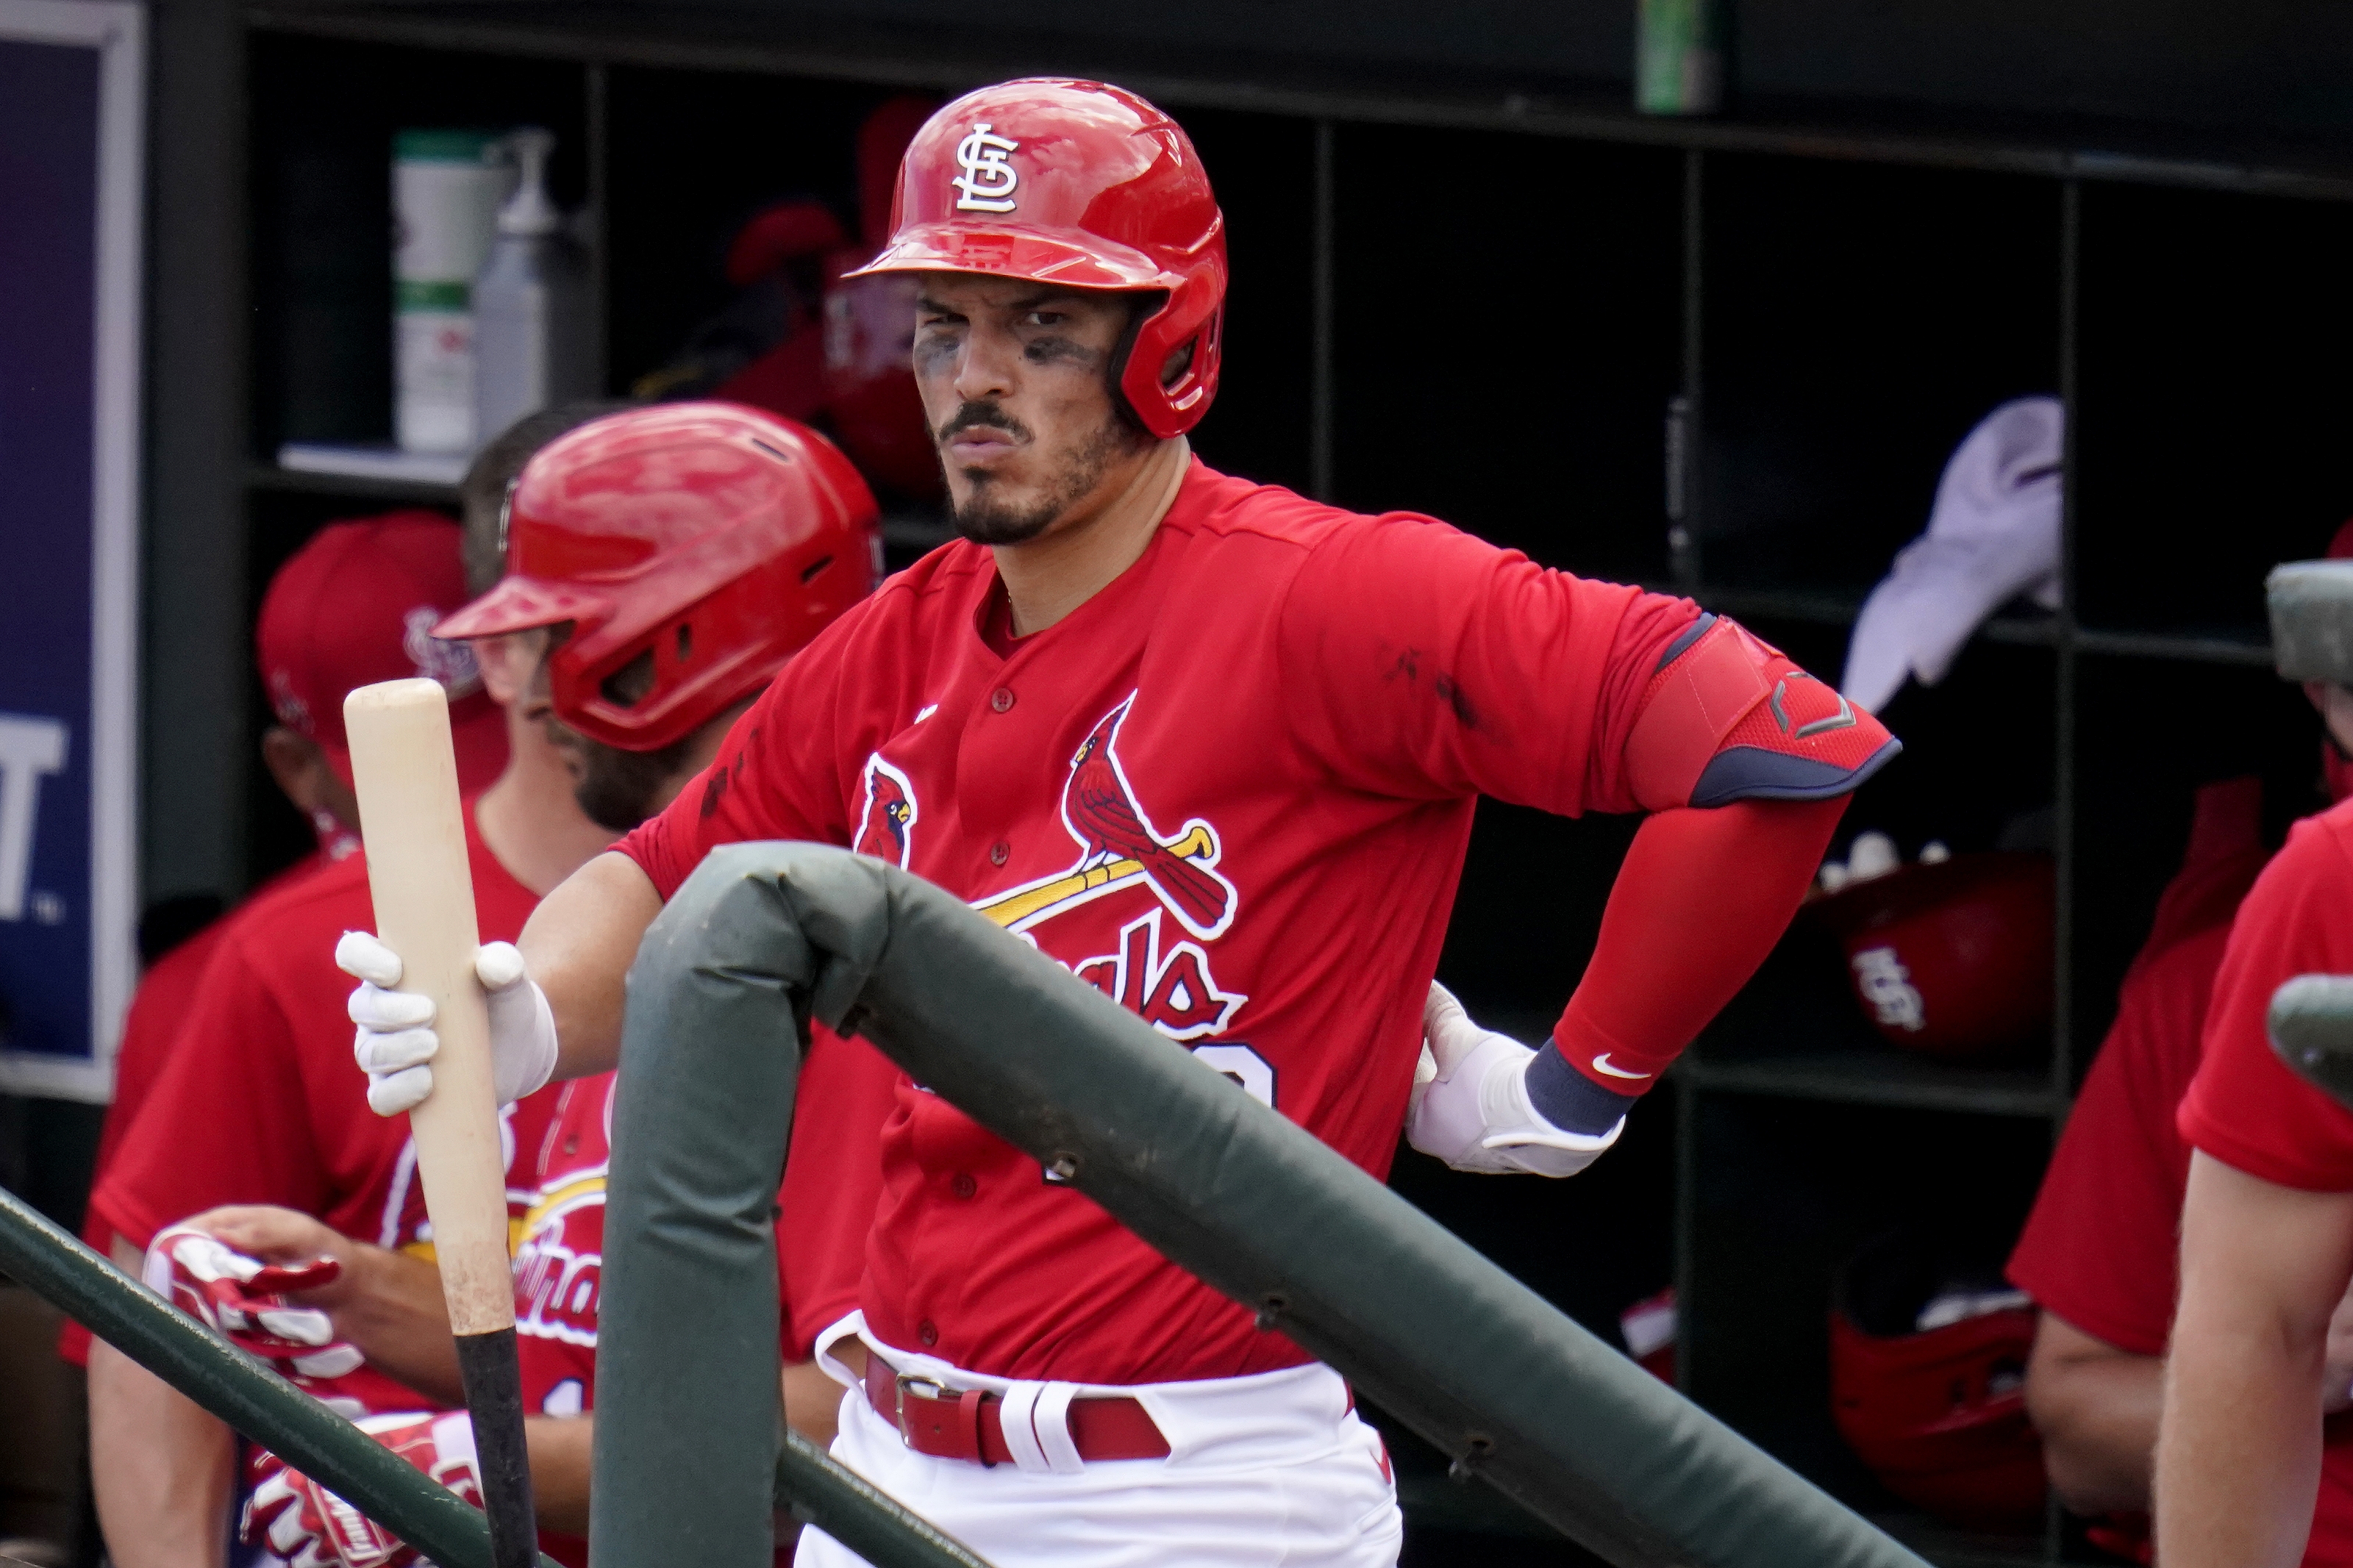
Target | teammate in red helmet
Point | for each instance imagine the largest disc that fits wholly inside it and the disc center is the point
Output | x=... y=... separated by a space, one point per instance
x=690 y=550
x=1216 y=747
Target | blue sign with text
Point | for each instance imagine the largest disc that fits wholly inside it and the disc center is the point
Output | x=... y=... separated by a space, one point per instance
x=65 y=599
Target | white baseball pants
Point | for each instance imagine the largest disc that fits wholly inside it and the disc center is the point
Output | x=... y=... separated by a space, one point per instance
x=1273 y=1470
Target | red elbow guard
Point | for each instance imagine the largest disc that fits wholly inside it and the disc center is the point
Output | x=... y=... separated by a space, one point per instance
x=1728 y=717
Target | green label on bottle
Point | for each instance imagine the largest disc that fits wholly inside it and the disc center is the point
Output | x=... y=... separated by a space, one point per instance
x=1679 y=56
x=435 y=294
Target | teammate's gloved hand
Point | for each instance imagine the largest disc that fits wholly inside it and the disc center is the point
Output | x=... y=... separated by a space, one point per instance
x=311 y=1526
x=1471 y=1106
x=395 y=1027
x=243 y=1299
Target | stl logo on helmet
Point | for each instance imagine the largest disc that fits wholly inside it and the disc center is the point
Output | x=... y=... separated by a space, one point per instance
x=988 y=181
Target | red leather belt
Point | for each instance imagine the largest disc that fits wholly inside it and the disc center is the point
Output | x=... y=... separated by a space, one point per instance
x=967 y=1424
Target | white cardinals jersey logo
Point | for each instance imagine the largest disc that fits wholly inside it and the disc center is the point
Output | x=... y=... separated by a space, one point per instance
x=988 y=181
x=886 y=827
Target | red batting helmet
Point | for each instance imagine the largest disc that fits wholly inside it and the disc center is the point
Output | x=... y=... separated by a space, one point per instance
x=1086 y=186
x=1938 y=1412
x=1953 y=960
x=693 y=546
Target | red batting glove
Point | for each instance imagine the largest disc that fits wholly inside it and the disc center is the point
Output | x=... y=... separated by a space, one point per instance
x=243 y=1299
x=311 y=1526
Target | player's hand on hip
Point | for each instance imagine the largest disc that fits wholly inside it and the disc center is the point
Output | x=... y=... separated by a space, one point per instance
x=1471 y=1108
x=396 y=1042
x=308 y=1527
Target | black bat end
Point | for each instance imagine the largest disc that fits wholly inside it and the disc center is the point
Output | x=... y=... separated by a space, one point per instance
x=493 y=1380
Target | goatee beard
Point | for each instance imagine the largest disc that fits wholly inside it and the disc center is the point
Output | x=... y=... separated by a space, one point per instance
x=983 y=520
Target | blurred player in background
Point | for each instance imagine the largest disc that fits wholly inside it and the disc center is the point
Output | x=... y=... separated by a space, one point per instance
x=2262 y=1350
x=1216 y=747
x=404 y=564
x=2099 y=1253
x=681 y=517
x=254 y=1106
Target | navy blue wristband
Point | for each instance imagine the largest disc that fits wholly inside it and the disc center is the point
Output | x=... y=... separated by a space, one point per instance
x=1570 y=1100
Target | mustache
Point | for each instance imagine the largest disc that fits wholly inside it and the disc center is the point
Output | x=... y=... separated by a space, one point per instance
x=986 y=412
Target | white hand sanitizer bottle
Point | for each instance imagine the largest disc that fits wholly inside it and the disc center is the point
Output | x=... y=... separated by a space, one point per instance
x=534 y=329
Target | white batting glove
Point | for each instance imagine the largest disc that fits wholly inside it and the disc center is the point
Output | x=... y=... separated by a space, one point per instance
x=1471 y=1106
x=245 y=1301
x=395 y=1027
x=307 y=1526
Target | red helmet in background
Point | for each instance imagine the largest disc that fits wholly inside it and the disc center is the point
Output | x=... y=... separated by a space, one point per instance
x=871 y=399
x=694 y=547
x=1954 y=959
x=1938 y=1412
x=1083 y=186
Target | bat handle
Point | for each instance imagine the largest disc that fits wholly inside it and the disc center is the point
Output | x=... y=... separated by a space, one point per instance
x=492 y=1376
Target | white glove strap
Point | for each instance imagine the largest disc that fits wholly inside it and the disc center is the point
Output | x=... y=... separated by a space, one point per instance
x=1478 y=1118
x=1518 y=1133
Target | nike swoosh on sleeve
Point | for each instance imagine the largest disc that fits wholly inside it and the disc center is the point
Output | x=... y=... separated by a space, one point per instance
x=1601 y=1064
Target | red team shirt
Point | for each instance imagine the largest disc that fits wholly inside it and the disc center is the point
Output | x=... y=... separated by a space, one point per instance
x=2246 y=1108
x=2248 y=1111
x=150 y=1025
x=259 y=1102
x=2100 y=1248
x=1232 y=790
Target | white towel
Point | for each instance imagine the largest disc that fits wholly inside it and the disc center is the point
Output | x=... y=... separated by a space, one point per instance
x=1992 y=535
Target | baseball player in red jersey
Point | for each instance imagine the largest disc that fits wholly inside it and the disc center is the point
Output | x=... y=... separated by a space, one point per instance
x=2242 y=1477
x=389 y=575
x=1216 y=747
x=714 y=533
x=2099 y=1252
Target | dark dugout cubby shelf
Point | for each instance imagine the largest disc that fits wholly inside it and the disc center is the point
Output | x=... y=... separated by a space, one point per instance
x=322 y=120
x=1792 y=1190
x=1485 y=303
x=2212 y=440
x=1856 y=322
x=1507 y=339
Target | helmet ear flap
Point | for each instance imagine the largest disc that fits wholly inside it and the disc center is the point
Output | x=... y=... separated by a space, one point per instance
x=1144 y=307
x=1189 y=321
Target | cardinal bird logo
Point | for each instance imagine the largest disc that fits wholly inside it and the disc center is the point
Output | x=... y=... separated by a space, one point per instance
x=886 y=828
x=1100 y=808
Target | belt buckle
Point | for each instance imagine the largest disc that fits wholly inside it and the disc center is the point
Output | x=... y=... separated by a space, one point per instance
x=905 y=1381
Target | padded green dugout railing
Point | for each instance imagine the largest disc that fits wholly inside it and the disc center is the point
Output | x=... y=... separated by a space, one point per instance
x=57 y=1266
x=765 y=936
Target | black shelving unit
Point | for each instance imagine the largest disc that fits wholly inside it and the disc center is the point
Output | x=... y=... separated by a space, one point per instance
x=1491 y=303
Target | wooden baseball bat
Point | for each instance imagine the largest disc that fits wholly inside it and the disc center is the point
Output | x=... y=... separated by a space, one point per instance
x=406 y=773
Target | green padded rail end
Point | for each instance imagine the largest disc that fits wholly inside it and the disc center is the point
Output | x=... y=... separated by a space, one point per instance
x=823 y=1491
x=2312 y=1031
x=270 y=1411
x=2312 y=620
x=765 y=936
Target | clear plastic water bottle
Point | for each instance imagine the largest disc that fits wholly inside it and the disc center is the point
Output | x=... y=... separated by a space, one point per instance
x=534 y=328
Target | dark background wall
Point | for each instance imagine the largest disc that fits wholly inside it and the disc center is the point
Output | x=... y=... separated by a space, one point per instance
x=2260 y=67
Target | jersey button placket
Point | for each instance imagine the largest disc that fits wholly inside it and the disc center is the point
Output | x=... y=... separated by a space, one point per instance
x=964 y=1186
x=927 y=1332
x=999 y=853
x=1001 y=700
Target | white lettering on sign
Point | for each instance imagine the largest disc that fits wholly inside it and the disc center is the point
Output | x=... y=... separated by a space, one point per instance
x=29 y=749
x=987 y=180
